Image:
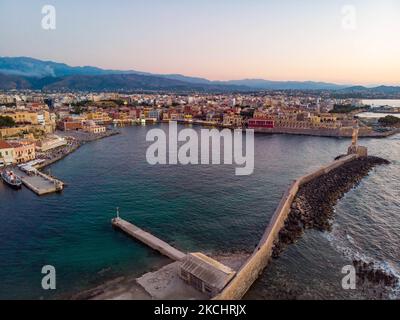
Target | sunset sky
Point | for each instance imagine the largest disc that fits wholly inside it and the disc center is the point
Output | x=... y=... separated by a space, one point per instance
x=215 y=39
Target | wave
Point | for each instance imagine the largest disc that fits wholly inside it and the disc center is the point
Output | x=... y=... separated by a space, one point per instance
x=345 y=244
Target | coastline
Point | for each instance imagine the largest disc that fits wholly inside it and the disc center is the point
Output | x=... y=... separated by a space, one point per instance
x=77 y=141
x=333 y=183
x=158 y=283
x=326 y=133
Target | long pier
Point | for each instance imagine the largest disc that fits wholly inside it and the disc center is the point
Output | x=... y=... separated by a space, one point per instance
x=148 y=239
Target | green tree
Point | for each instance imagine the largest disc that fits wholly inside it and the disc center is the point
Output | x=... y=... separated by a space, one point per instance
x=389 y=121
x=6 y=122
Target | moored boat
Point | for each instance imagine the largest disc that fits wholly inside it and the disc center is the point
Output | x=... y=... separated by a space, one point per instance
x=10 y=178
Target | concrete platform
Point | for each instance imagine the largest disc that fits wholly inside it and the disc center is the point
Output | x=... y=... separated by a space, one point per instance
x=165 y=284
x=41 y=184
x=148 y=239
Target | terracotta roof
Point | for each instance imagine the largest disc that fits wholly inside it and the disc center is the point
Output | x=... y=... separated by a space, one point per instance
x=4 y=145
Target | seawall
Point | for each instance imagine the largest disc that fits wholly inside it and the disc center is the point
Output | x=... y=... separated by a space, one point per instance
x=254 y=266
x=337 y=133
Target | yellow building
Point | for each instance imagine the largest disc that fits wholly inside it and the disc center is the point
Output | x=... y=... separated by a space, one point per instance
x=99 y=117
x=13 y=132
x=23 y=117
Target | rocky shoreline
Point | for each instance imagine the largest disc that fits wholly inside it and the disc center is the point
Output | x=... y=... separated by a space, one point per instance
x=313 y=208
x=368 y=272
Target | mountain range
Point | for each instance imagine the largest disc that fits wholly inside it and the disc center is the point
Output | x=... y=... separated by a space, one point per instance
x=29 y=73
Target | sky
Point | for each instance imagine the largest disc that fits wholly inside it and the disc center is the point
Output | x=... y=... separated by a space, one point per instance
x=341 y=41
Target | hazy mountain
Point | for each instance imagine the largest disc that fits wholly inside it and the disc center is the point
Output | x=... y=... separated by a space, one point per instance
x=10 y=82
x=181 y=77
x=285 y=85
x=135 y=82
x=110 y=82
x=30 y=68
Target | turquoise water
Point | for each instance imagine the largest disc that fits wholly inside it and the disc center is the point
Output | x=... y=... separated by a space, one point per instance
x=201 y=208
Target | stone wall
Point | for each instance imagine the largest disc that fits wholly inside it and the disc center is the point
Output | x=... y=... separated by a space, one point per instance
x=340 y=132
x=254 y=266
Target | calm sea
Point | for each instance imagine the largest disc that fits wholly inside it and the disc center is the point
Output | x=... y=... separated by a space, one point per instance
x=201 y=208
x=375 y=103
x=382 y=102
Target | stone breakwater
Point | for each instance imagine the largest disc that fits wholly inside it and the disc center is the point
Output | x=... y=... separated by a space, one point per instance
x=313 y=206
x=370 y=272
x=308 y=203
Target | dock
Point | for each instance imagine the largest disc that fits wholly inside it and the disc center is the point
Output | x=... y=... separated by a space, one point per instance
x=148 y=239
x=39 y=182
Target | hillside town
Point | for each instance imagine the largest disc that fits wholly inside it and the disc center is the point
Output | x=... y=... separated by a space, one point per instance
x=35 y=125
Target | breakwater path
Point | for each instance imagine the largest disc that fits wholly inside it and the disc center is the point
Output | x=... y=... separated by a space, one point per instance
x=307 y=203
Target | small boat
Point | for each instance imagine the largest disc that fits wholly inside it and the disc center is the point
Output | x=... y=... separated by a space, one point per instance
x=11 y=179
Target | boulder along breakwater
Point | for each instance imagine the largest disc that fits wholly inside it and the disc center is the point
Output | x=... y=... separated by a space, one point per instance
x=313 y=208
x=308 y=203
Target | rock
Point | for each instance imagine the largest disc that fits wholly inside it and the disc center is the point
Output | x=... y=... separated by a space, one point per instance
x=313 y=206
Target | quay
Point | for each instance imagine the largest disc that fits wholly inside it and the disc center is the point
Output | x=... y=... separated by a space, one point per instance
x=189 y=271
x=39 y=182
x=148 y=239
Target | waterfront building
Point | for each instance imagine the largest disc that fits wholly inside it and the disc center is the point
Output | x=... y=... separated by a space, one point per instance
x=232 y=120
x=24 y=151
x=6 y=153
x=99 y=117
x=92 y=127
x=49 y=143
x=257 y=123
x=72 y=125
x=154 y=114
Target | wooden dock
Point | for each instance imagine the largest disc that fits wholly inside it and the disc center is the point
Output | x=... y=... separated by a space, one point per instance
x=148 y=239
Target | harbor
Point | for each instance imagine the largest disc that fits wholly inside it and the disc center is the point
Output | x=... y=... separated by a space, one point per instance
x=211 y=214
x=31 y=174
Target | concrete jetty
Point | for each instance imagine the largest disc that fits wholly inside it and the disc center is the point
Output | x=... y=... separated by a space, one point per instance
x=39 y=182
x=148 y=239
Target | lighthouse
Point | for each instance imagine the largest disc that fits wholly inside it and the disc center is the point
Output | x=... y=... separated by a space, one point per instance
x=354 y=147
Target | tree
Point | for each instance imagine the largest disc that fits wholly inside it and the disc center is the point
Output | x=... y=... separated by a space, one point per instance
x=389 y=121
x=77 y=110
x=6 y=122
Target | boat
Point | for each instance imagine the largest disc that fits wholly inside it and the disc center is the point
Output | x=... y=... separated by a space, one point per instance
x=11 y=179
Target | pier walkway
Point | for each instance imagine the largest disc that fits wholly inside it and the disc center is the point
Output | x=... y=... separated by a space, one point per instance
x=148 y=239
x=39 y=183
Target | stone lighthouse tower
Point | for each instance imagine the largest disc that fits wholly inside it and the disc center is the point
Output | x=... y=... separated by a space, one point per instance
x=354 y=147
